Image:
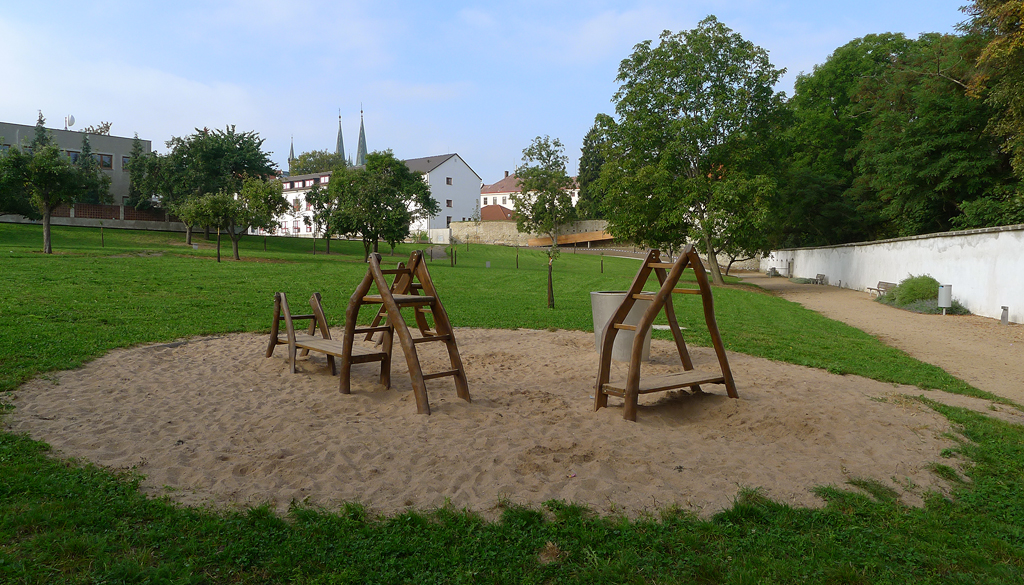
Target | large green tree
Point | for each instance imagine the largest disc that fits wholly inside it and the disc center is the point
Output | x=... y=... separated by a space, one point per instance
x=316 y=161
x=202 y=164
x=379 y=201
x=695 y=147
x=53 y=181
x=15 y=193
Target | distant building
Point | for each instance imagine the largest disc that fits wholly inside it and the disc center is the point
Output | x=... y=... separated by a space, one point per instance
x=501 y=193
x=453 y=184
x=111 y=152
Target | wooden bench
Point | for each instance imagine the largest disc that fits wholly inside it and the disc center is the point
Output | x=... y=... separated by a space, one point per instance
x=882 y=288
x=820 y=279
x=308 y=341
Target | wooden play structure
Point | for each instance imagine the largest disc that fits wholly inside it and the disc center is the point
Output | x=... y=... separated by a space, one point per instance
x=302 y=343
x=668 y=276
x=410 y=280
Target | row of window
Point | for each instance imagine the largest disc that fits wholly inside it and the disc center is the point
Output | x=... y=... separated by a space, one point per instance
x=504 y=200
x=306 y=182
x=106 y=161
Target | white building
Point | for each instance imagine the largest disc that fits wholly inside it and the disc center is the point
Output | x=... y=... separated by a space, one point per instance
x=454 y=185
x=501 y=193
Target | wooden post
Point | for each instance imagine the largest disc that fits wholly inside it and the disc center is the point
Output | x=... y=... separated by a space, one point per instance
x=264 y=243
x=517 y=257
x=551 y=290
x=218 y=244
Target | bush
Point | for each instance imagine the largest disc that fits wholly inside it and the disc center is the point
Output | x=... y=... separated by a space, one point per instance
x=916 y=288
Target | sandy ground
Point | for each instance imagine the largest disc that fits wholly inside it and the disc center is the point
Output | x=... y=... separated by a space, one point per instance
x=210 y=420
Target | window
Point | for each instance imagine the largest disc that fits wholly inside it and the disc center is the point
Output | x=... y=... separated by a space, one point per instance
x=504 y=199
x=324 y=179
x=5 y=147
x=447 y=180
x=447 y=202
x=296 y=205
x=485 y=202
x=309 y=228
x=73 y=155
x=124 y=163
x=309 y=206
x=448 y=221
x=286 y=185
x=295 y=226
x=309 y=182
x=106 y=162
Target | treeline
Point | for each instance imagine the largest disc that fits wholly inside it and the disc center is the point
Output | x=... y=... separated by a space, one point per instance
x=889 y=137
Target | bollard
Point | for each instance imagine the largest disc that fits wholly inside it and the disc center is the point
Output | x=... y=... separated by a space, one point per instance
x=1005 y=318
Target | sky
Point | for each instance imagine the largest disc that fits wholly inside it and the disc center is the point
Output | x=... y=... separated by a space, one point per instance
x=478 y=79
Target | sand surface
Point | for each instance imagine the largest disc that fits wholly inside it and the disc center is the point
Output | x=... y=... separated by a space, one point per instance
x=211 y=420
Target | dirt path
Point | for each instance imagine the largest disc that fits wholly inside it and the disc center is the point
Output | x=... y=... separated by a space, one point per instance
x=978 y=350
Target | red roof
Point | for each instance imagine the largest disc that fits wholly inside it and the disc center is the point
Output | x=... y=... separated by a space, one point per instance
x=496 y=213
x=509 y=184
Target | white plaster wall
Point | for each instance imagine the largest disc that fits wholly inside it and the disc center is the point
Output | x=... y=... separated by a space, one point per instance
x=463 y=192
x=985 y=267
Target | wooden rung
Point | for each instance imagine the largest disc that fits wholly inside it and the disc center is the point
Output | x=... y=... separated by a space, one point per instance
x=360 y=330
x=667 y=382
x=402 y=299
x=660 y=265
x=427 y=338
x=416 y=285
x=686 y=291
x=440 y=374
x=294 y=317
x=626 y=327
x=395 y=271
x=640 y=297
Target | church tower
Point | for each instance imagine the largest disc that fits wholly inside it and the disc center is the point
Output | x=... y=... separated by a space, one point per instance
x=361 y=152
x=339 y=149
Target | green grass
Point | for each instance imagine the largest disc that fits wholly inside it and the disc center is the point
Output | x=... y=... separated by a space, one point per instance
x=69 y=522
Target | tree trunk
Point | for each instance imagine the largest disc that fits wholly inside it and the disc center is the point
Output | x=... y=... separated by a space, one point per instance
x=188 y=235
x=235 y=238
x=47 y=248
x=328 y=244
x=218 y=243
x=206 y=231
x=551 y=290
x=716 y=272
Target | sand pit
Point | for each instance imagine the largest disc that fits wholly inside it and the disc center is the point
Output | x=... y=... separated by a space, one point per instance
x=211 y=420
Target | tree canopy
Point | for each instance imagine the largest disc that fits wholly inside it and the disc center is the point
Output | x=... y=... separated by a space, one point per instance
x=378 y=202
x=543 y=204
x=695 y=148
x=316 y=161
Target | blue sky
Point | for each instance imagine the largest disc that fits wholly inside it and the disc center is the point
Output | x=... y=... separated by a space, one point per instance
x=480 y=79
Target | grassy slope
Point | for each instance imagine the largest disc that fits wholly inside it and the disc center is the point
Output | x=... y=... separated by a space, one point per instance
x=65 y=522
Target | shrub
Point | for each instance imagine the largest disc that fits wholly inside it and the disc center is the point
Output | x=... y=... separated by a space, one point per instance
x=916 y=288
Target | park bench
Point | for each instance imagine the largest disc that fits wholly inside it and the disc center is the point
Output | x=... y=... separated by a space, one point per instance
x=308 y=341
x=820 y=279
x=882 y=288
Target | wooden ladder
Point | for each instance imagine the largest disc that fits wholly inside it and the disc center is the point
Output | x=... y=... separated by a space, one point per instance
x=409 y=280
x=630 y=388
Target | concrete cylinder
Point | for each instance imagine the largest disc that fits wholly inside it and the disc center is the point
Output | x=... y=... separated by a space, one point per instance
x=1005 y=317
x=603 y=304
x=945 y=296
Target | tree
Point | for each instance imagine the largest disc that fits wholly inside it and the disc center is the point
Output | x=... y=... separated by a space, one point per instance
x=591 y=199
x=316 y=161
x=379 y=201
x=137 y=185
x=102 y=129
x=1000 y=77
x=543 y=204
x=923 y=150
x=697 y=138
x=95 y=183
x=207 y=162
x=54 y=181
x=323 y=206
x=255 y=206
x=15 y=189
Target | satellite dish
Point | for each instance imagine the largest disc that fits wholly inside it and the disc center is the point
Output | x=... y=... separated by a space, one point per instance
x=69 y=122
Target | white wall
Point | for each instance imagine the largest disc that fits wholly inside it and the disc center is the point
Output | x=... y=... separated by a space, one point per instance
x=463 y=193
x=985 y=267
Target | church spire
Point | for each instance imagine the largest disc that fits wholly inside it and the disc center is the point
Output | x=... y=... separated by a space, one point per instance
x=361 y=152
x=291 y=151
x=340 y=148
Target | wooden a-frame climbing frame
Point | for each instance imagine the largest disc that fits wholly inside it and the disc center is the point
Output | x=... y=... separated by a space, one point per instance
x=409 y=280
x=633 y=386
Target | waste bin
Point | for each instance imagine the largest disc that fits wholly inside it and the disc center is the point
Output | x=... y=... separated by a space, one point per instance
x=945 y=296
x=603 y=305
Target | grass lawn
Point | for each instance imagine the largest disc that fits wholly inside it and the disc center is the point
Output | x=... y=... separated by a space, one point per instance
x=69 y=522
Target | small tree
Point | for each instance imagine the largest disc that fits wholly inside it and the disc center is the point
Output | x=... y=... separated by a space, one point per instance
x=255 y=206
x=323 y=205
x=95 y=184
x=543 y=204
x=54 y=181
x=15 y=189
x=139 y=196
